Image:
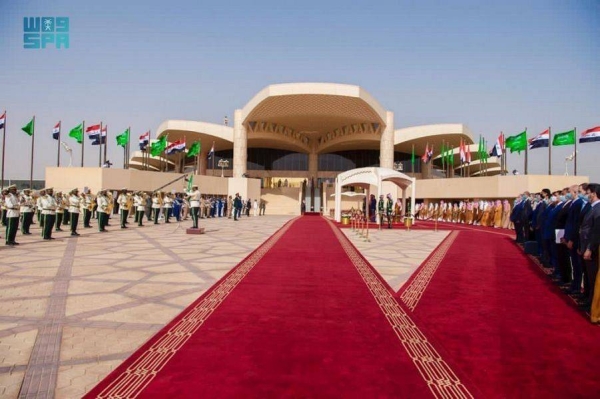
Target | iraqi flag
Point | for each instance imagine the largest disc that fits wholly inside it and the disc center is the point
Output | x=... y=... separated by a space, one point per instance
x=144 y=140
x=541 y=140
x=56 y=131
x=175 y=147
x=2 y=120
x=499 y=148
x=93 y=131
x=212 y=151
x=102 y=138
x=588 y=136
x=468 y=153
x=428 y=154
x=462 y=152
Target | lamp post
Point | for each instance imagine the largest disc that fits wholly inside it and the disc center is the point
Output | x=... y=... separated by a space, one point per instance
x=223 y=163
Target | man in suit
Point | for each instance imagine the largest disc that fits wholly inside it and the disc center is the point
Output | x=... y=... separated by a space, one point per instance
x=515 y=217
x=572 y=237
x=589 y=234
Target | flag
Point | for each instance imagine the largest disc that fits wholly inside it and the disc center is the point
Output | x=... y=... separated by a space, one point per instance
x=190 y=183
x=77 y=133
x=159 y=146
x=212 y=151
x=564 y=138
x=56 y=131
x=412 y=158
x=93 y=132
x=462 y=151
x=499 y=148
x=2 y=120
x=28 y=128
x=451 y=156
x=123 y=138
x=175 y=147
x=468 y=153
x=517 y=142
x=443 y=154
x=101 y=139
x=425 y=157
x=588 y=136
x=541 y=140
x=194 y=149
x=144 y=140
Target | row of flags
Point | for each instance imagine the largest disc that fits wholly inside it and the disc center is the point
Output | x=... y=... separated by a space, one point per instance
x=520 y=142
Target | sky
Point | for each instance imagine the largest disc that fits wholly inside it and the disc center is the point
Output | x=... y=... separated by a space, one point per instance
x=494 y=66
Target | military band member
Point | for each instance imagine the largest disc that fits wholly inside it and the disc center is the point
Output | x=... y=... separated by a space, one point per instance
x=102 y=202
x=38 y=206
x=389 y=209
x=87 y=204
x=168 y=207
x=60 y=207
x=48 y=206
x=12 y=206
x=74 y=208
x=124 y=203
x=66 y=214
x=195 y=199
x=140 y=206
x=27 y=210
x=156 y=205
x=4 y=195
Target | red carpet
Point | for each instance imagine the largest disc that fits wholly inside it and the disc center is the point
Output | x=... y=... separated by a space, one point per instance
x=302 y=317
x=506 y=326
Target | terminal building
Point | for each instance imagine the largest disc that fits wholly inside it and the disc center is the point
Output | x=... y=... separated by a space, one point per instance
x=288 y=143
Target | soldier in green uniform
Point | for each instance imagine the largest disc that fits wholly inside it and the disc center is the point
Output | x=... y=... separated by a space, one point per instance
x=380 y=210
x=389 y=209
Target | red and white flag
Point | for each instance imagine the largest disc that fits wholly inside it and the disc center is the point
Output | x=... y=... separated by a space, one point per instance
x=2 y=120
x=175 y=147
x=462 y=152
x=144 y=140
x=93 y=131
x=468 y=153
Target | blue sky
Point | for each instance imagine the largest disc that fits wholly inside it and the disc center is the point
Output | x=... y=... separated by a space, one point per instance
x=495 y=67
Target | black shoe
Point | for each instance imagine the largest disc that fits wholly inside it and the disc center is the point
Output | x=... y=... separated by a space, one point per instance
x=15 y=243
x=123 y=227
x=75 y=234
x=27 y=233
x=140 y=225
x=58 y=230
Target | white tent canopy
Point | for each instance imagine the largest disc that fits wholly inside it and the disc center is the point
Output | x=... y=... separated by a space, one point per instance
x=366 y=177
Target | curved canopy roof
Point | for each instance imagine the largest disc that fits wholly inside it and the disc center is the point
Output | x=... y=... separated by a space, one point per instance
x=193 y=130
x=434 y=135
x=373 y=176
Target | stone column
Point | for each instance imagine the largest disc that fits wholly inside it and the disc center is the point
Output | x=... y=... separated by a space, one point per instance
x=240 y=145
x=386 y=149
x=313 y=164
x=202 y=161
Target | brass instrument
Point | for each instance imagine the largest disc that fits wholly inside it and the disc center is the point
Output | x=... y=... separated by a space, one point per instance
x=111 y=203
x=129 y=203
x=91 y=200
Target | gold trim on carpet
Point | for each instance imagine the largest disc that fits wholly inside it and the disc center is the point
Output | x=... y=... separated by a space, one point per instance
x=438 y=375
x=413 y=293
x=132 y=382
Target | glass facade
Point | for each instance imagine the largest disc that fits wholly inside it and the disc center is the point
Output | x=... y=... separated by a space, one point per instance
x=273 y=159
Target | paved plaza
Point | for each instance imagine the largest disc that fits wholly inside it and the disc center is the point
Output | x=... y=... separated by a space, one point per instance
x=72 y=309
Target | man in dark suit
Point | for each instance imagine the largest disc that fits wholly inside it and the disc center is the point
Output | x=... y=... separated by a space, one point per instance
x=572 y=238
x=564 y=263
x=515 y=217
x=589 y=234
x=526 y=212
x=538 y=220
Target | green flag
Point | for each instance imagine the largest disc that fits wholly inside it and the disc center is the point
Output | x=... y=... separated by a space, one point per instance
x=412 y=159
x=480 y=148
x=517 y=143
x=158 y=146
x=194 y=149
x=451 y=156
x=565 y=138
x=77 y=133
x=28 y=128
x=123 y=138
x=190 y=183
x=443 y=154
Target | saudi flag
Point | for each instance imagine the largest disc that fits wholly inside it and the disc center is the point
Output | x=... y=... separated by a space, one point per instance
x=77 y=133
x=158 y=146
x=517 y=143
x=123 y=138
x=564 y=138
x=194 y=150
x=28 y=128
x=190 y=183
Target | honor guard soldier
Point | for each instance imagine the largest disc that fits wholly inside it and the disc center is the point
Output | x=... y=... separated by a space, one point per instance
x=60 y=207
x=195 y=198
x=87 y=204
x=389 y=209
x=74 y=207
x=168 y=206
x=4 y=195
x=48 y=204
x=66 y=214
x=140 y=205
x=123 y=201
x=102 y=201
x=11 y=203
x=38 y=206
x=27 y=210
x=156 y=205
x=380 y=210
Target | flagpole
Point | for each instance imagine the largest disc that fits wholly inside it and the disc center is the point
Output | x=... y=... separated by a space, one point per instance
x=575 y=159
x=32 y=147
x=3 y=147
x=58 y=146
x=213 y=159
x=526 y=150
x=549 y=152
x=412 y=167
x=128 y=145
x=100 y=147
x=105 y=142
x=82 y=141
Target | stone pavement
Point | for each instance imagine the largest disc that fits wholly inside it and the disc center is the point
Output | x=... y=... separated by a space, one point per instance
x=72 y=309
